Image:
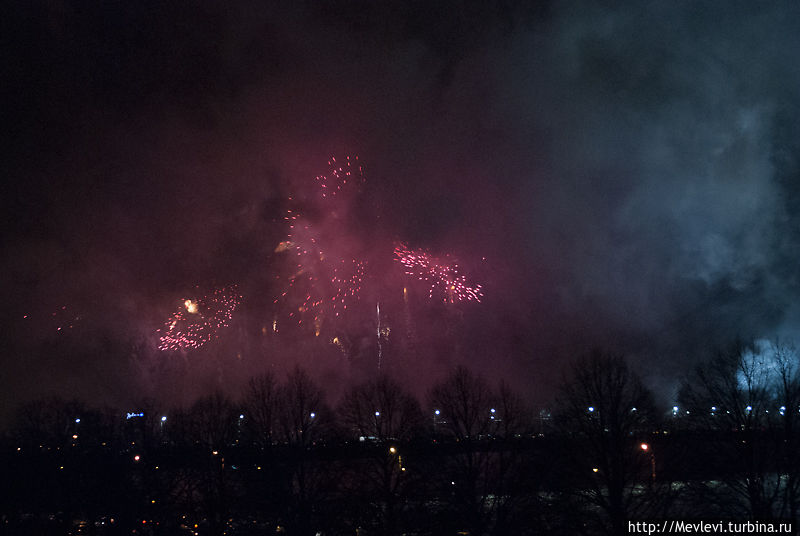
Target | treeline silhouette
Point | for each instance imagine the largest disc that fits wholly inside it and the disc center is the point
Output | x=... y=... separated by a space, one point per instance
x=472 y=458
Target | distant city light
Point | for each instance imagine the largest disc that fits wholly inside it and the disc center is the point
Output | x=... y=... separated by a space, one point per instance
x=436 y=412
x=77 y=420
x=313 y=414
x=163 y=418
x=136 y=458
x=130 y=415
x=591 y=409
x=377 y=413
x=241 y=416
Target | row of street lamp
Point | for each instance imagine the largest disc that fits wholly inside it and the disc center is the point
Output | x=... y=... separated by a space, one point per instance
x=714 y=409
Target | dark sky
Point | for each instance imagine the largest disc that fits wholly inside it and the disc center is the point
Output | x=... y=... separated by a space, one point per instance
x=622 y=175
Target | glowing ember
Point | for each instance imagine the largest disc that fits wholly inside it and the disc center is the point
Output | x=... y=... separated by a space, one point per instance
x=60 y=319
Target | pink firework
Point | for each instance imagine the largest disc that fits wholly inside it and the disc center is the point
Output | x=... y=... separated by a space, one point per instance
x=339 y=175
x=441 y=275
x=321 y=285
x=199 y=321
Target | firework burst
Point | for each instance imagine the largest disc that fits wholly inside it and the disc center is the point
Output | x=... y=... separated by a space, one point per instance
x=339 y=175
x=441 y=275
x=321 y=285
x=199 y=321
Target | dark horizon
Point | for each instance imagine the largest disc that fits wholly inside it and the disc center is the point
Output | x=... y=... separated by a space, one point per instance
x=472 y=458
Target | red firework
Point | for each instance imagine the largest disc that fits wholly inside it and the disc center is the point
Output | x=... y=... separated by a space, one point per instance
x=199 y=321
x=441 y=275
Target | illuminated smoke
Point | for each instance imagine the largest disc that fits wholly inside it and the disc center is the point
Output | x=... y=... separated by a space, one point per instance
x=320 y=286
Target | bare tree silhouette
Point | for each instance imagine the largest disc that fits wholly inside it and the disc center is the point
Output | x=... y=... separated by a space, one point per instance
x=385 y=417
x=605 y=413
x=484 y=463
x=747 y=398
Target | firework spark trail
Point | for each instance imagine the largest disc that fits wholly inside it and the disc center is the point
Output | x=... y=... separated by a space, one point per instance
x=200 y=320
x=441 y=275
x=343 y=343
x=325 y=285
x=378 y=333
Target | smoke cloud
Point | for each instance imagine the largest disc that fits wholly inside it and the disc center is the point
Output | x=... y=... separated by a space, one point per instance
x=618 y=176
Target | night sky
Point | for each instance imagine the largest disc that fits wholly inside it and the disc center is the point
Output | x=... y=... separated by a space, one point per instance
x=620 y=176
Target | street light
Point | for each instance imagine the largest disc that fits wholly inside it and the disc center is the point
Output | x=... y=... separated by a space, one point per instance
x=646 y=448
